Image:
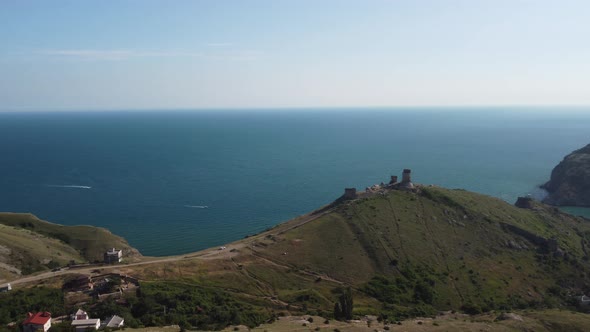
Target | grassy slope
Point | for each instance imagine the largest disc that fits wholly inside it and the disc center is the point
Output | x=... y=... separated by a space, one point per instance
x=454 y=238
x=29 y=251
x=539 y=321
x=30 y=243
x=455 y=233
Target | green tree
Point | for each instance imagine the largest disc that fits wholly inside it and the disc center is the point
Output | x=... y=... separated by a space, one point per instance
x=343 y=308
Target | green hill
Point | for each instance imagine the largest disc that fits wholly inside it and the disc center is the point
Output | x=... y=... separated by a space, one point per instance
x=401 y=253
x=450 y=249
x=29 y=244
x=404 y=253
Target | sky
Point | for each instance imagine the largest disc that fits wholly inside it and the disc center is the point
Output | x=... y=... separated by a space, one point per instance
x=144 y=54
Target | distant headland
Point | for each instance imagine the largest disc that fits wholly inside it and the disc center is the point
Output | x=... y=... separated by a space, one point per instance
x=570 y=180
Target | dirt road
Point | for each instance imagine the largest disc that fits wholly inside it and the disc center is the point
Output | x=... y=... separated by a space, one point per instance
x=211 y=253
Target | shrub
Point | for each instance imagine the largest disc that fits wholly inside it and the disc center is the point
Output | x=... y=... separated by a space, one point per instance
x=471 y=309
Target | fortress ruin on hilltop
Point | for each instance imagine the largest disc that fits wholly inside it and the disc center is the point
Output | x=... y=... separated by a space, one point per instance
x=405 y=184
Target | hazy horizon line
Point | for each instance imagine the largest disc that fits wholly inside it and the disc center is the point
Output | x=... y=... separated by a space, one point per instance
x=297 y=108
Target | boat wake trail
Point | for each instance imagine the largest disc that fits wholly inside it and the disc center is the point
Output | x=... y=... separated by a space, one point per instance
x=73 y=186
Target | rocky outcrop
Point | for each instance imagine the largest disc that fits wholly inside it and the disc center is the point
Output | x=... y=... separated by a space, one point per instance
x=524 y=203
x=570 y=180
x=509 y=316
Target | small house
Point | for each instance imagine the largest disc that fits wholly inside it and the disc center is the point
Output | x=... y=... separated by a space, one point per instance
x=6 y=288
x=81 y=321
x=113 y=322
x=40 y=321
x=113 y=256
x=81 y=325
x=80 y=315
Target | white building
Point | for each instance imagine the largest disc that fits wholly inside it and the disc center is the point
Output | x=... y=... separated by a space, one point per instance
x=81 y=321
x=82 y=325
x=113 y=322
x=113 y=256
x=80 y=315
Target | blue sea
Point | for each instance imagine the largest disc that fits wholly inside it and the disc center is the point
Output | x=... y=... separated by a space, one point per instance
x=173 y=182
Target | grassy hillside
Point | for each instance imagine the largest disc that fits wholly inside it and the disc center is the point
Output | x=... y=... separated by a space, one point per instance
x=462 y=248
x=25 y=251
x=401 y=253
x=405 y=254
x=29 y=244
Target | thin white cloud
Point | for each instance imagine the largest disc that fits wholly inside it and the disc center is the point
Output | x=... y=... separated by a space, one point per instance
x=219 y=44
x=89 y=54
x=246 y=55
x=118 y=55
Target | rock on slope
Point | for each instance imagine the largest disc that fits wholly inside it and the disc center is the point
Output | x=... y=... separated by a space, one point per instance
x=570 y=180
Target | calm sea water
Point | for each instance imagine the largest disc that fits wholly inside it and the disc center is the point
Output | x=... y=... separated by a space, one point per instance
x=176 y=182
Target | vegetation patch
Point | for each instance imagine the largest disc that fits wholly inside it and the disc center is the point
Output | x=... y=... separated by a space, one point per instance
x=15 y=305
x=186 y=305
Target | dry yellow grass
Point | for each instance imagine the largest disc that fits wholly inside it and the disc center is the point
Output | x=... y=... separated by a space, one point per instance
x=539 y=321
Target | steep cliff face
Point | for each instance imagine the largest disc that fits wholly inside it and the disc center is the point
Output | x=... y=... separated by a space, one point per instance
x=570 y=180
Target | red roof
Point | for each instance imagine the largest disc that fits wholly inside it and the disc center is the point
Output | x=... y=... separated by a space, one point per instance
x=39 y=318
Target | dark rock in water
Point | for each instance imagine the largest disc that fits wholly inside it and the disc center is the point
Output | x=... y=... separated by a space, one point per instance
x=570 y=180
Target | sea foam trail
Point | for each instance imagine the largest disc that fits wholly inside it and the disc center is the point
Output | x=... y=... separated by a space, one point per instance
x=74 y=186
x=197 y=206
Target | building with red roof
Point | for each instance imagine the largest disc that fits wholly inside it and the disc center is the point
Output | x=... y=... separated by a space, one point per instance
x=37 y=322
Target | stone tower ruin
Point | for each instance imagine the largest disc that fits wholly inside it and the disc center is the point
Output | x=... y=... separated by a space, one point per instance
x=407 y=179
x=349 y=193
x=393 y=179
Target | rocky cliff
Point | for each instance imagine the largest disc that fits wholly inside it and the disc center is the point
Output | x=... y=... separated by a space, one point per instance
x=570 y=180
